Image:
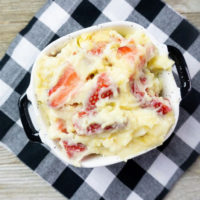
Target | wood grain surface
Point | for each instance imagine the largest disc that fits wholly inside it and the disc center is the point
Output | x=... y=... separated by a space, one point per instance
x=17 y=181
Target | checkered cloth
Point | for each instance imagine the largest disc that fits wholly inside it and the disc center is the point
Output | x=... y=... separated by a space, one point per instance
x=147 y=177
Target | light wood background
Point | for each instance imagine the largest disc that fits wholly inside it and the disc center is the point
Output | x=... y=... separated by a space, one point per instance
x=18 y=182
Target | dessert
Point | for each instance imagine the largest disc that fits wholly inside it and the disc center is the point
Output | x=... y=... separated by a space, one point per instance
x=102 y=94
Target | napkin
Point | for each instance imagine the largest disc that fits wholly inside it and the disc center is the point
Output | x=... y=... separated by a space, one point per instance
x=149 y=176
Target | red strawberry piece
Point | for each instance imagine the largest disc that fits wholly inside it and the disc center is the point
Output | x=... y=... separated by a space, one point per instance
x=82 y=113
x=98 y=49
x=124 y=50
x=93 y=100
x=66 y=84
x=93 y=128
x=108 y=93
x=132 y=84
x=141 y=94
x=162 y=108
x=143 y=79
x=131 y=51
x=110 y=127
x=102 y=82
x=134 y=88
x=142 y=61
x=61 y=125
x=96 y=128
x=75 y=148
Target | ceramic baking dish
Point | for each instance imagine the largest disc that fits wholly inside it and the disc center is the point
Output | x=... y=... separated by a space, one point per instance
x=28 y=100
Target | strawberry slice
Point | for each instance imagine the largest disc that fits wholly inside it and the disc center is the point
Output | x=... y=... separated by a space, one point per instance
x=93 y=128
x=130 y=50
x=124 y=50
x=134 y=88
x=143 y=79
x=98 y=49
x=161 y=108
x=135 y=57
x=101 y=91
x=142 y=61
x=82 y=113
x=130 y=53
x=108 y=93
x=61 y=125
x=97 y=128
x=102 y=82
x=68 y=81
x=72 y=149
x=112 y=126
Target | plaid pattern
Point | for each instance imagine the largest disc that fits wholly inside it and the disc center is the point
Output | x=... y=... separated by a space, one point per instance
x=147 y=177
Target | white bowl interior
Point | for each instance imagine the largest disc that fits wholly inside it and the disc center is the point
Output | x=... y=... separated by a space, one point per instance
x=170 y=90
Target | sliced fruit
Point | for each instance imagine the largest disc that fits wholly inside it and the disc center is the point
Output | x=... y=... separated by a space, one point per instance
x=135 y=89
x=82 y=113
x=61 y=125
x=93 y=128
x=110 y=127
x=142 y=61
x=102 y=90
x=108 y=93
x=138 y=58
x=68 y=81
x=98 y=49
x=161 y=107
x=124 y=50
x=143 y=79
x=130 y=50
x=102 y=82
x=96 y=128
x=72 y=149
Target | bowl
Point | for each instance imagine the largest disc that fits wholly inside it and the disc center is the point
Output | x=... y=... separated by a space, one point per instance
x=34 y=125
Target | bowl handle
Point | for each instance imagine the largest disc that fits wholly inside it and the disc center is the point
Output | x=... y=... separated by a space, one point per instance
x=182 y=69
x=30 y=130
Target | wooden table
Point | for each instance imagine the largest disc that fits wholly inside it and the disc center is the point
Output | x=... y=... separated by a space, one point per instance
x=19 y=182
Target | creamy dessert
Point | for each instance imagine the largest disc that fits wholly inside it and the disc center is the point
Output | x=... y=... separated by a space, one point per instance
x=102 y=94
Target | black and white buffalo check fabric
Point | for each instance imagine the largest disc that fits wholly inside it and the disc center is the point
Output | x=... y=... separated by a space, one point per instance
x=147 y=177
